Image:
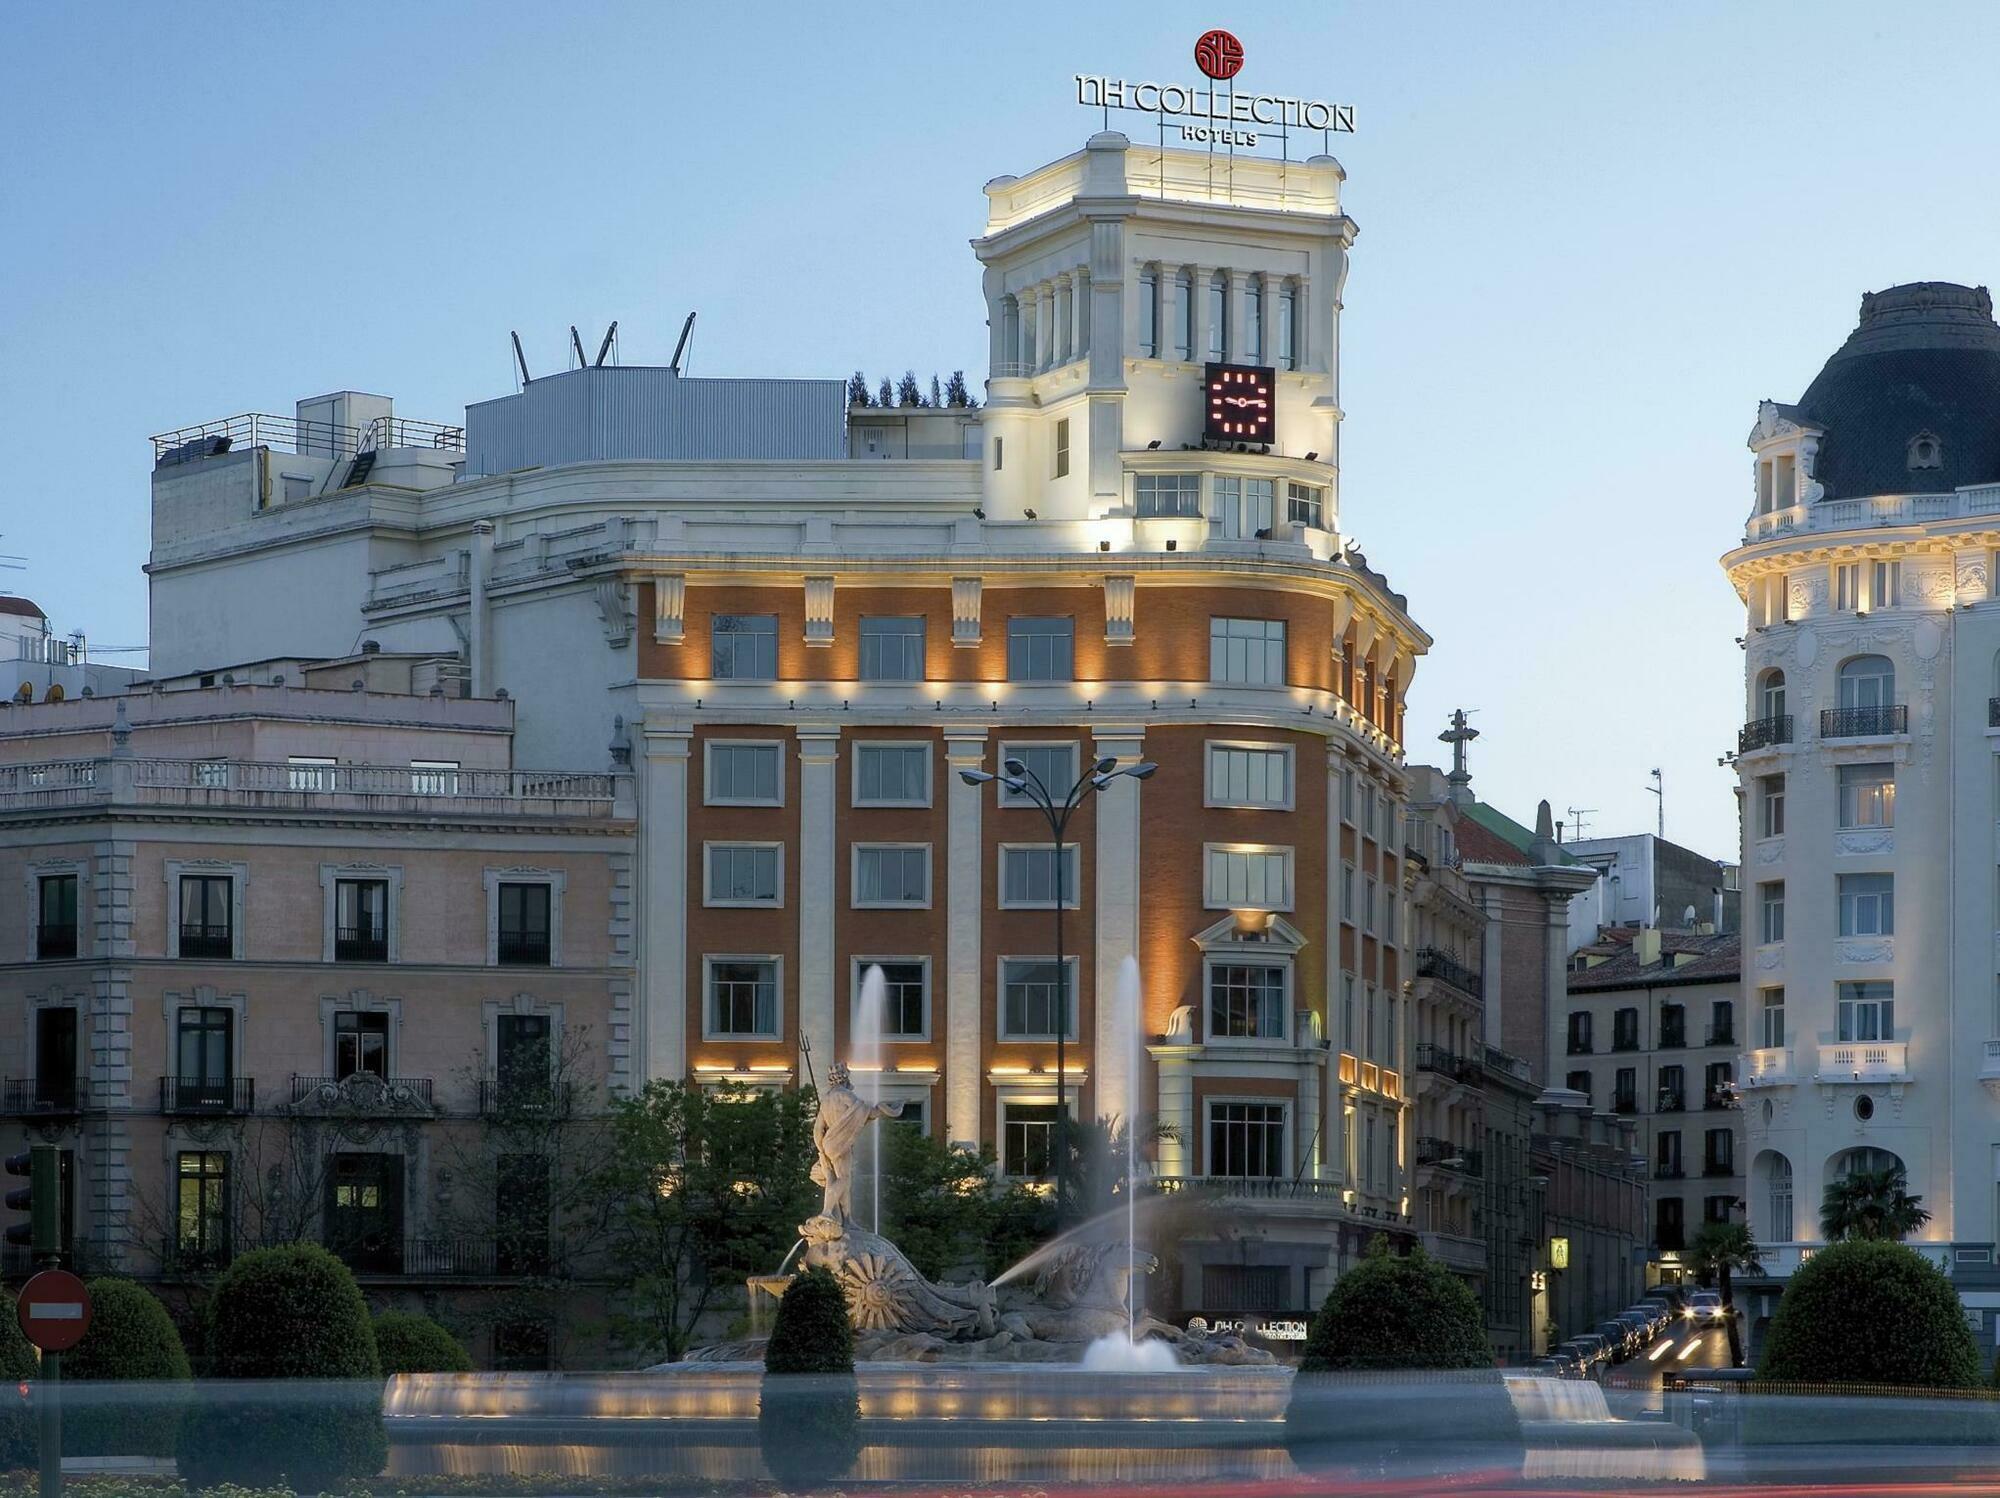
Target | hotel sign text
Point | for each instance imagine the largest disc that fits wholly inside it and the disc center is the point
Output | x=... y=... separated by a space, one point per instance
x=1217 y=113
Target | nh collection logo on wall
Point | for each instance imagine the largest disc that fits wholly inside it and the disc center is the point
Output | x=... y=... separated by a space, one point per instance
x=1219 y=55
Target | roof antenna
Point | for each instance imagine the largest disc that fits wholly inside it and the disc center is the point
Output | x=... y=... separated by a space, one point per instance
x=519 y=357
x=686 y=328
x=577 y=344
x=609 y=334
x=1576 y=816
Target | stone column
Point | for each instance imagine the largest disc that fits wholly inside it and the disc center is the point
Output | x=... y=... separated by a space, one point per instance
x=661 y=1044
x=1045 y=326
x=1198 y=291
x=1119 y=1093
x=964 y=974
x=1065 y=313
x=819 y=756
x=1079 y=303
x=1180 y=1155
x=1555 y=973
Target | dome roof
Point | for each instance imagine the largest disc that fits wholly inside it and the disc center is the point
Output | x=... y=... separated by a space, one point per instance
x=1910 y=404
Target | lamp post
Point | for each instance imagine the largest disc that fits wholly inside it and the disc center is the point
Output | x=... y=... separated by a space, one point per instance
x=1016 y=777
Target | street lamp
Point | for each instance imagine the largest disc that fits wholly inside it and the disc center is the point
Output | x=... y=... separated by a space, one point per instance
x=1022 y=781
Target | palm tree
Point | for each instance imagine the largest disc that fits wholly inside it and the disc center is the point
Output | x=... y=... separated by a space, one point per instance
x=1871 y=1204
x=1718 y=1251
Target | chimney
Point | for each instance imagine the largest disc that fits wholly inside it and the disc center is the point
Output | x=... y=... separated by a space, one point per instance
x=1646 y=945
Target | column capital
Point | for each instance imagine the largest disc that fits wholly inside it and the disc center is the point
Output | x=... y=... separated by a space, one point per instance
x=1105 y=735
x=819 y=743
x=966 y=746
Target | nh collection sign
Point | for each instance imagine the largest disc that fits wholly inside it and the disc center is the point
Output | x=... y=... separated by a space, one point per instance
x=1210 y=116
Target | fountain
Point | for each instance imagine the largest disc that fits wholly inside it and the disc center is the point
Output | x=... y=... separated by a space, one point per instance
x=868 y=1061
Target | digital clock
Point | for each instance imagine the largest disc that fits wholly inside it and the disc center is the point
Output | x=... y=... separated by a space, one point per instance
x=1241 y=403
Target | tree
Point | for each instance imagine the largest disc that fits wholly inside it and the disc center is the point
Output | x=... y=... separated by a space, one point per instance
x=938 y=1203
x=707 y=1186
x=809 y=1410
x=884 y=394
x=857 y=390
x=278 y=1315
x=131 y=1340
x=19 y=1366
x=907 y=393
x=955 y=393
x=937 y=392
x=408 y=1343
x=1871 y=1204
x=1869 y=1311
x=1719 y=1250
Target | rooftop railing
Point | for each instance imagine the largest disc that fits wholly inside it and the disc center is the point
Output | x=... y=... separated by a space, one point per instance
x=324 y=439
x=1888 y=509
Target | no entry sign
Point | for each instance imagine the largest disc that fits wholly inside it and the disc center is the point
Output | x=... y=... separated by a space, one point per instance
x=54 y=1310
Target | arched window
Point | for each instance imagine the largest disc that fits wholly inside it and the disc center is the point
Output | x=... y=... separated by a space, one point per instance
x=1867 y=681
x=1863 y=1158
x=1149 y=312
x=1771 y=694
x=1775 y=1172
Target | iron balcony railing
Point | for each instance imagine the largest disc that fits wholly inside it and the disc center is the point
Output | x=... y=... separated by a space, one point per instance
x=178 y=1258
x=1722 y=1035
x=460 y=1256
x=523 y=949
x=1579 y=1045
x=1862 y=722
x=360 y=944
x=1718 y=1167
x=43 y=1097
x=1672 y=1100
x=1624 y=1102
x=1431 y=963
x=1448 y=1156
x=1761 y=733
x=1431 y=1057
x=52 y=942
x=1627 y=1040
x=195 y=1095
x=1668 y=1170
x=391 y=1094
x=1673 y=1037
x=204 y=941
x=1719 y=1099
x=288 y=434
x=498 y=1096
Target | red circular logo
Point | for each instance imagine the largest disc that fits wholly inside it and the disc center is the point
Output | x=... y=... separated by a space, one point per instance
x=1218 y=54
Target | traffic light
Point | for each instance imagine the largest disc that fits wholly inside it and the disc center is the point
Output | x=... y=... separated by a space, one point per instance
x=41 y=1232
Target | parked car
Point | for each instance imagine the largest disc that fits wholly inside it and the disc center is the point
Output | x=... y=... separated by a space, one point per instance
x=1641 y=1323
x=1704 y=1307
x=1673 y=1297
x=1596 y=1349
x=1650 y=1316
x=1619 y=1336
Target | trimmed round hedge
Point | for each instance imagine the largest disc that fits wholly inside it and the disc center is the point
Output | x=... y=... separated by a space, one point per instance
x=809 y=1411
x=18 y=1365
x=131 y=1339
x=1870 y=1311
x=285 y=1314
x=408 y=1343
x=1401 y=1313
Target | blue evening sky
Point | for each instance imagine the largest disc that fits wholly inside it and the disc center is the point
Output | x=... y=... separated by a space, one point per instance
x=1592 y=236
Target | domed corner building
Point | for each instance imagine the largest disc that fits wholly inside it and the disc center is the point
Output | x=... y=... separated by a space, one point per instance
x=1870 y=765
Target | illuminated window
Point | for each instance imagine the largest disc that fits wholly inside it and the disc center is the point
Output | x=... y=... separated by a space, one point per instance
x=1247 y=652
x=1062 y=449
x=1041 y=649
x=1867 y=795
x=1246 y=1001
x=892 y=648
x=744 y=647
x=1027 y=1139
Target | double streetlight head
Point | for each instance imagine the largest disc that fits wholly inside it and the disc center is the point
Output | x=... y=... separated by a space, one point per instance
x=1016 y=777
x=986 y=777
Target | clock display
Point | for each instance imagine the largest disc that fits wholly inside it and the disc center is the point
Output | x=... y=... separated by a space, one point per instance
x=1241 y=403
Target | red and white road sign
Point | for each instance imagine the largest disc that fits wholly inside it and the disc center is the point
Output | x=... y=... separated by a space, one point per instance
x=54 y=1310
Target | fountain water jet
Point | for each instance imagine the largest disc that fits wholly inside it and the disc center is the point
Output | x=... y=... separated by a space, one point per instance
x=870 y=1017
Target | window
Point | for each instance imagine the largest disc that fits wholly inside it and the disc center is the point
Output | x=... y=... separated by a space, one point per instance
x=1041 y=649
x=1305 y=504
x=914 y=1117
x=1053 y=765
x=1867 y=681
x=1027 y=1136
x=1771 y=911
x=999 y=453
x=1673 y=1088
x=892 y=648
x=201 y=1209
x=742 y=998
x=1771 y=1018
x=1247 y=878
x=1062 y=449
x=1348 y=884
x=1718 y=1084
x=1288 y=326
x=1368 y=906
x=744 y=874
x=204 y=1074
x=1218 y=315
x=1847 y=586
x=1867 y=795
x=1028 y=1001
x=1167 y=495
x=309 y=773
x=1668 y=1156
x=744 y=774
x=1578 y=1081
x=1347 y=1040
x=1248 y=652
x=56 y=1062
x=206 y=916
x=1779 y=1195
x=1247 y=776
x=743 y=647
x=1625 y=1090
x=1246 y=1001
x=360 y=1043
x=1867 y=904
x=893 y=874
x=905 y=998
x=1240 y=509
x=1625 y=1030
x=1253 y=322
x=1028 y=877
x=1669 y=1224
x=1718 y=1152
x=1771 y=695
x=1770 y=806
x=892 y=774
x=1673 y=1026
x=1579 y=1033
x=1886 y=585
x=1184 y=315
x=1246 y=1139
x=1347 y=795
x=434 y=777
x=1246 y=1287
x=361 y=920
x=524 y=1060
x=55 y=916
x=1149 y=312
x=1867 y=1011
x=1722 y=1022
x=524 y=925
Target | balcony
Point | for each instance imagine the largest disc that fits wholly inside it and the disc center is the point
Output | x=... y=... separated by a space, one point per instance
x=55 y=942
x=459 y=1257
x=1762 y=733
x=188 y=1261
x=1441 y=1062
x=1864 y=722
x=1442 y=966
x=327 y=439
x=1626 y=1041
x=1989 y=1067
x=363 y=1095
x=233 y=1095
x=43 y=1097
x=1724 y=1036
x=204 y=941
x=1448 y=1156
x=1624 y=1102
x=360 y=944
x=1865 y=1061
x=498 y=1098
x=1668 y=1170
x=1579 y=1045
x=1672 y=1100
x=1672 y=1038
x=1719 y=1099
x=1718 y=1167
x=1769 y=1067
x=522 y=949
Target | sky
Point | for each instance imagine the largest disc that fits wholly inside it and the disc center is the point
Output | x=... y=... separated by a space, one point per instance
x=1592 y=237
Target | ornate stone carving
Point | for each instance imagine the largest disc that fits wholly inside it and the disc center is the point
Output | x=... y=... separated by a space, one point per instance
x=1864 y=949
x=669 y=607
x=819 y=611
x=1771 y=958
x=614 y=603
x=1120 y=600
x=1771 y=850
x=1869 y=840
x=1969 y=579
x=965 y=611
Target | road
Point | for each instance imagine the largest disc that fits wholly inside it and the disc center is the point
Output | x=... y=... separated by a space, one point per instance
x=1678 y=1347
